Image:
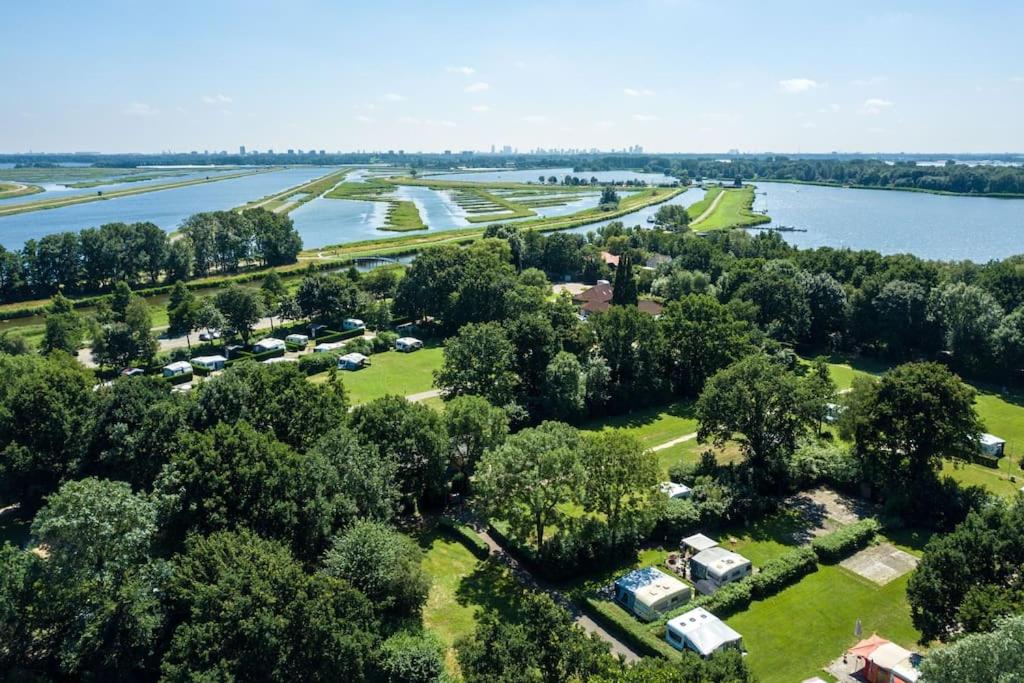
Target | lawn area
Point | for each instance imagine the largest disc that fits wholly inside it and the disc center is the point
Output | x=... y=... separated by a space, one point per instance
x=461 y=585
x=403 y=216
x=391 y=372
x=732 y=210
x=653 y=426
x=690 y=452
x=792 y=635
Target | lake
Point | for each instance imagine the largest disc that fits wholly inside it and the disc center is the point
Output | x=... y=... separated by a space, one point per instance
x=931 y=226
x=533 y=176
x=166 y=208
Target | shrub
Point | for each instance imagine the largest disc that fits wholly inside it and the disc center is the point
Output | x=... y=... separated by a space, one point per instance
x=384 y=341
x=331 y=336
x=838 y=544
x=361 y=345
x=727 y=600
x=315 y=363
x=466 y=536
x=584 y=546
x=781 y=572
x=412 y=658
x=831 y=464
x=637 y=635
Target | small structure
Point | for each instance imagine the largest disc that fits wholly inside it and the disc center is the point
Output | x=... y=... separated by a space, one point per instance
x=297 y=340
x=713 y=568
x=701 y=631
x=648 y=592
x=406 y=328
x=610 y=259
x=352 y=361
x=268 y=344
x=177 y=368
x=674 y=490
x=884 y=661
x=352 y=324
x=407 y=344
x=833 y=411
x=327 y=347
x=280 y=359
x=992 y=446
x=691 y=545
x=210 y=363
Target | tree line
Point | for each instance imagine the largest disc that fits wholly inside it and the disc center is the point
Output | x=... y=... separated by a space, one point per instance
x=95 y=259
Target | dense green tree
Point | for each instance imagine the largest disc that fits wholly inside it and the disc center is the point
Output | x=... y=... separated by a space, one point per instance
x=994 y=657
x=64 y=327
x=412 y=658
x=182 y=310
x=620 y=482
x=327 y=298
x=18 y=570
x=382 y=563
x=526 y=479
x=473 y=426
x=673 y=217
x=783 y=310
x=535 y=343
x=726 y=666
x=968 y=317
x=479 y=360
x=826 y=301
x=241 y=307
x=126 y=335
x=756 y=403
x=1009 y=341
x=624 y=290
x=630 y=343
x=243 y=609
x=564 y=388
x=276 y=241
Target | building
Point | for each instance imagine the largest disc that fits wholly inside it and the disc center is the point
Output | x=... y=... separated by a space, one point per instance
x=701 y=631
x=280 y=359
x=352 y=361
x=691 y=545
x=992 y=446
x=674 y=490
x=884 y=661
x=408 y=344
x=177 y=368
x=352 y=324
x=300 y=340
x=610 y=259
x=713 y=568
x=210 y=363
x=268 y=344
x=327 y=347
x=241 y=150
x=598 y=299
x=648 y=592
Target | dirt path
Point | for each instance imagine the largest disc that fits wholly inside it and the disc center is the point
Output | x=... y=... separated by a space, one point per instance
x=582 y=620
x=710 y=210
x=423 y=395
x=674 y=442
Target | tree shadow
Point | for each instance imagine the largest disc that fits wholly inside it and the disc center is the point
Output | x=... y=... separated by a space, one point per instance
x=15 y=524
x=492 y=587
x=642 y=417
x=791 y=525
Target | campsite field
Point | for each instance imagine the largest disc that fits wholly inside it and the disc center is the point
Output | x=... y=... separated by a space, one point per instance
x=391 y=372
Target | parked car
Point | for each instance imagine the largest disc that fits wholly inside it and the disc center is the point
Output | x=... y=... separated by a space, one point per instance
x=209 y=335
x=133 y=372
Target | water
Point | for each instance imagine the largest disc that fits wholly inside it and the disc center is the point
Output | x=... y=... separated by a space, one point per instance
x=166 y=208
x=640 y=216
x=931 y=226
x=533 y=176
x=322 y=222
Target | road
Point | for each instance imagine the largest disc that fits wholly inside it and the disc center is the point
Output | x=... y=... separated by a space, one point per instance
x=710 y=210
x=673 y=442
x=582 y=620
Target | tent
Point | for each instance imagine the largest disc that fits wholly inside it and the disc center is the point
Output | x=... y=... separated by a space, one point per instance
x=701 y=631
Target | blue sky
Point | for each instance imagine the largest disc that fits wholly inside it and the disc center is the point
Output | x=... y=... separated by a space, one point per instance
x=690 y=76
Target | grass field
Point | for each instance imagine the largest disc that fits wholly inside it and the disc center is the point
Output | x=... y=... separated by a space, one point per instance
x=391 y=372
x=732 y=210
x=792 y=635
x=654 y=425
x=403 y=216
x=9 y=190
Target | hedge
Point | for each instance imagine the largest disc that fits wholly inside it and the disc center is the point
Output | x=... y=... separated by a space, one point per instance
x=333 y=336
x=781 y=572
x=842 y=542
x=729 y=599
x=636 y=634
x=315 y=363
x=467 y=536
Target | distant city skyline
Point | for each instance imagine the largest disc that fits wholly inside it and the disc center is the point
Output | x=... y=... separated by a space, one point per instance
x=661 y=75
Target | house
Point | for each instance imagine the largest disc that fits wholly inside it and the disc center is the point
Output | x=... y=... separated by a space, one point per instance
x=327 y=347
x=352 y=324
x=691 y=545
x=674 y=490
x=598 y=299
x=648 y=593
x=713 y=568
x=352 y=361
x=280 y=359
x=407 y=344
x=300 y=340
x=992 y=445
x=701 y=631
x=884 y=661
x=268 y=344
x=610 y=259
x=210 y=363
x=602 y=291
x=177 y=368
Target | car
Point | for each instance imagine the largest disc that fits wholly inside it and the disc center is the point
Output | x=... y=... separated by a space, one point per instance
x=133 y=372
x=209 y=335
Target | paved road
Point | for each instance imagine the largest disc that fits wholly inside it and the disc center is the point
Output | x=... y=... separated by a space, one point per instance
x=586 y=623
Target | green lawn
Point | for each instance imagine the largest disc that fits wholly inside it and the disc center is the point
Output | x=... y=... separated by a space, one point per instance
x=461 y=586
x=653 y=426
x=391 y=372
x=792 y=635
x=733 y=210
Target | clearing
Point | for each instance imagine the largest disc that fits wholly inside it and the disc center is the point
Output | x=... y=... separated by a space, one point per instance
x=391 y=372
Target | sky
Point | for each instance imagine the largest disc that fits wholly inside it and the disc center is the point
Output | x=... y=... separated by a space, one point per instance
x=670 y=75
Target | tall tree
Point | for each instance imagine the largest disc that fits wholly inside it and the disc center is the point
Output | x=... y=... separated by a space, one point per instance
x=479 y=361
x=241 y=308
x=621 y=482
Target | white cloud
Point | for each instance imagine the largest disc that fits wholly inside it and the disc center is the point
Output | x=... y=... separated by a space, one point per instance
x=535 y=118
x=479 y=86
x=140 y=109
x=394 y=97
x=363 y=119
x=480 y=108
x=637 y=92
x=797 y=85
x=874 y=106
x=464 y=70
x=216 y=99
x=603 y=124
x=645 y=117
x=865 y=82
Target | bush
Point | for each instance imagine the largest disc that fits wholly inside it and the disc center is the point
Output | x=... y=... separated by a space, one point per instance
x=727 y=600
x=678 y=518
x=315 y=363
x=384 y=341
x=831 y=464
x=466 y=536
x=838 y=544
x=411 y=658
x=361 y=345
x=781 y=572
x=331 y=336
x=637 y=635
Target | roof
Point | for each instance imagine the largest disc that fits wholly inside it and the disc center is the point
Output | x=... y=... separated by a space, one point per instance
x=602 y=291
x=609 y=258
x=297 y=336
x=269 y=341
x=699 y=542
x=651 y=585
x=408 y=340
x=207 y=360
x=328 y=346
x=719 y=560
x=706 y=632
x=673 y=490
x=892 y=657
x=281 y=359
x=645 y=305
x=990 y=440
x=178 y=365
x=353 y=358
